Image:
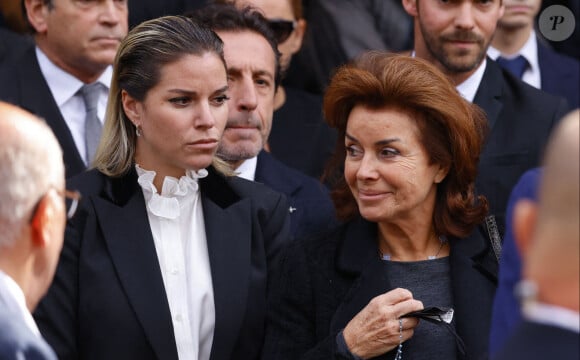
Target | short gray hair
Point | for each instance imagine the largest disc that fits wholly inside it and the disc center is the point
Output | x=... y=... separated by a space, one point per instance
x=30 y=164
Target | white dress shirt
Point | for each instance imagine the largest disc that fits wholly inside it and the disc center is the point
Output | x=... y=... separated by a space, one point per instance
x=247 y=169
x=532 y=74
x=12 y=297
x=64 y=88
x=178 y=228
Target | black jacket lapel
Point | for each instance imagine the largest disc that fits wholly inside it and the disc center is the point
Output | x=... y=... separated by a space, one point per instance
x=473 y=279
x=228 y=229
x=489 y=92
x=123 y=220
x=37 y=98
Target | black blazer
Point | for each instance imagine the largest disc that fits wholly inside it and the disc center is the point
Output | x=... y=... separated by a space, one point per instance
x=108 y=299
x=323 y=283
x=534 y=341
x=23 y=84
x=310 y=207
x=520 y=119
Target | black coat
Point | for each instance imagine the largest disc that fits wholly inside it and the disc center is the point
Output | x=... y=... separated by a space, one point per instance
x=108 y=301
x=323 y=283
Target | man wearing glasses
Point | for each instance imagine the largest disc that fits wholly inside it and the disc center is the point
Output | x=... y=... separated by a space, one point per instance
x=33 y=214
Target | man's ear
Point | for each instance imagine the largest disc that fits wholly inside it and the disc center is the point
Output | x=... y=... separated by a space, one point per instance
x=41 y=219
x=410 y=7
x=131 y=107
x=37 y=13
x=298 y=36
x=524 y=224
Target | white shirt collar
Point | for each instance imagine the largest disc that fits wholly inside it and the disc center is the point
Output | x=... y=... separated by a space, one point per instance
x=12 y=295
x=552 y=315
x=469 y=87
x=63 y=85
x=247 y=169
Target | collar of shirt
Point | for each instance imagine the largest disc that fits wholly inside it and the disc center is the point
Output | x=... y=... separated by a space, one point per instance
x=530 y=52
x=11 y=294
x=247 y=169
x=552 y=315
x=63 y=85
x=469 y=87
x=167 y=204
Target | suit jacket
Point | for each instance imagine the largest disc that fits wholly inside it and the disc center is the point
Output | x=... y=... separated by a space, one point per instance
x=506 y=307
x=310 y=207
x=520 y=119
x=108 y=299
x=323 y=284
x=300 y=138
x=533 y=341
x=29 y=90
x=17 y=341
x=560 y=75
x=12 y=45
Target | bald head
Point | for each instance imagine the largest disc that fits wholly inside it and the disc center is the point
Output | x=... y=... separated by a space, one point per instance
x=30 y=162
x=552 y=258
x=559 y=193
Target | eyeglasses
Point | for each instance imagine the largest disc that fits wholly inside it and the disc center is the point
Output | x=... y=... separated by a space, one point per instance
x=282 y=29
x=72 y=198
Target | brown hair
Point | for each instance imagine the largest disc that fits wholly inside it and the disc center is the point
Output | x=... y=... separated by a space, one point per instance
x=452 y=131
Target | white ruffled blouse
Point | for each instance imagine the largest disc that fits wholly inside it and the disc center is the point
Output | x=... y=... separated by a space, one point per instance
x=178 y=229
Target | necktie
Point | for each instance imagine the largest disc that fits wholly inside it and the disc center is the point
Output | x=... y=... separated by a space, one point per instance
x=516 y=66
x=93 y=127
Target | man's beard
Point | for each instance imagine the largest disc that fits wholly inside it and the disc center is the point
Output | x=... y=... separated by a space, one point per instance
x=461 y=62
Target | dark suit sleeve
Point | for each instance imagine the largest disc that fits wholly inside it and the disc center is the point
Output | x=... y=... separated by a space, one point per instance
x=291 y=332
x=56 y=315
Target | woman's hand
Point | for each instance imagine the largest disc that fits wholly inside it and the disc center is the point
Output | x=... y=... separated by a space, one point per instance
x=375 y=329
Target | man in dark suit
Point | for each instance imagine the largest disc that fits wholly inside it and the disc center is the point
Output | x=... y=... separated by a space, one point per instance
x=516 y=46
x=548 y=236
x=76 y=43
x=254 y=73
x=32 y=220
x=455 y=37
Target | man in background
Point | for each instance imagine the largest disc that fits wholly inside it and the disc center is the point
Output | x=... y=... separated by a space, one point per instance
x=454 y=36
x=517 y=48
x=32 y=221
x=252 y=58
x=65 y=78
